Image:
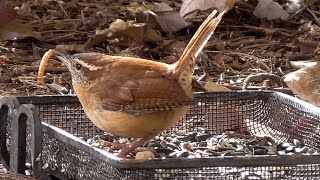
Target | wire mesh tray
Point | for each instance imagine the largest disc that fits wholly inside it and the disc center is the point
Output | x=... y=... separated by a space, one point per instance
x=54 y=148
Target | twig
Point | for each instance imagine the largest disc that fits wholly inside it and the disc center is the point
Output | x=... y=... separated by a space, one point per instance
x=32 y=83
x=261 y=77
x=64 y=12
x=64 y=30
x=315 y=18
x=60 y=37
x=26 y=69
x=301 y=10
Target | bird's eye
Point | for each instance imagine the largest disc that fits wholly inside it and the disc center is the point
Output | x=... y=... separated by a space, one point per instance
x=78 y=66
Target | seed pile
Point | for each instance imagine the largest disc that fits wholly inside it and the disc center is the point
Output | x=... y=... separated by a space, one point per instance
x=201 y=144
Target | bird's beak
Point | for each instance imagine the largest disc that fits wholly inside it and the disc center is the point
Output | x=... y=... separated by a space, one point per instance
x=64 y=58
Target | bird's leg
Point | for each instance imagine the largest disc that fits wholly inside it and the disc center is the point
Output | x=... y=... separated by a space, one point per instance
x=128 y=149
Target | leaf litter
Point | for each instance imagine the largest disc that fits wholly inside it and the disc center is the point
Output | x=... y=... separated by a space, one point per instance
x=261 y=44
x=243 y=44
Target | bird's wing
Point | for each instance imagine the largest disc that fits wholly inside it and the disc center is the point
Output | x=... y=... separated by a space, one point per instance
x=142 y=89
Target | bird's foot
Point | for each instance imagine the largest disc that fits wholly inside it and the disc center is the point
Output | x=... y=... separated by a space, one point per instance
x=128 y=149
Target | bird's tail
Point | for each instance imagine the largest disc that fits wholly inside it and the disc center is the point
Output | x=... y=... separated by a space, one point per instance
x=196 y=44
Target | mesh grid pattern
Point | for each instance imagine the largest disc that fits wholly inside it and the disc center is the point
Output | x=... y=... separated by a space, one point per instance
x=255 y=112
x=70 y=118
x=77 y=164
x=28 y=144
x=8 y=133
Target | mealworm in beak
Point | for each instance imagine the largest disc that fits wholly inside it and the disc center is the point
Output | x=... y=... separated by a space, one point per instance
x=43 y=65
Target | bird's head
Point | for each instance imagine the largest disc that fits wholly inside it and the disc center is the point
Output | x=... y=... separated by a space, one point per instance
x=84 y=67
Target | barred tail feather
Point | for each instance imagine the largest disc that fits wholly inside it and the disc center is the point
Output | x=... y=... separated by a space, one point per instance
x=198 y=41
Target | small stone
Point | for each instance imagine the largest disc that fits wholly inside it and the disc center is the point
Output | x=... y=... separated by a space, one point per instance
x=145 y=155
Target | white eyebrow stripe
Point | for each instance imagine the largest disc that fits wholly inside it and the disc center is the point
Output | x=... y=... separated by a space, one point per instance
x=89 y=66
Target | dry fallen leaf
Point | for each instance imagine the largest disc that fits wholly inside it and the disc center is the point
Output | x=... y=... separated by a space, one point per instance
x=17 y=30
x=305 y=83
x=174 y=46
x=168 y=19
x=133 y=31
x=213 y=87
x=71 y=48
x=270 y=9
x=192 y=5
x=307 y=46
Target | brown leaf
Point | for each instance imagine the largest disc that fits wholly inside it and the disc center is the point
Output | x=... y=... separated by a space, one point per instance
x=270 y=9
x=174 y=46
x=307 y=46
x=71 y=48
x=17 y=30
x=305 y=83
x=133 y=31
x=213 y=87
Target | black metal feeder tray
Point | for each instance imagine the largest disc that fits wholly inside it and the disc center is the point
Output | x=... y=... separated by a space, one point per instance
x=47 y=132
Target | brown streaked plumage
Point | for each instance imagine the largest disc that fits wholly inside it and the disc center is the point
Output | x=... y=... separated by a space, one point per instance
x=134 y=97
